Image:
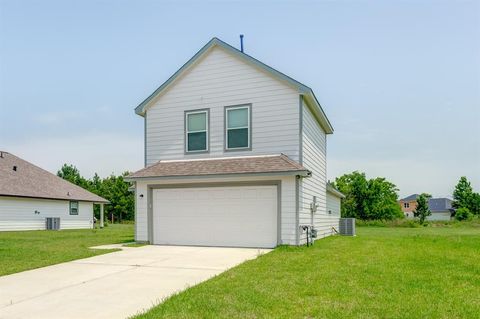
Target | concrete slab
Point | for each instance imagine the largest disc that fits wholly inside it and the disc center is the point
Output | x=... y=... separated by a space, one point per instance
x=115 y=285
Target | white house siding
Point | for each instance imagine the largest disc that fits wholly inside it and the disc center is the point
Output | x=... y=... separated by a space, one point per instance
x=314 y=152
x=19 y=214
x=287 y=203
x=333 y=205
x=218 y=80
x=439 y=216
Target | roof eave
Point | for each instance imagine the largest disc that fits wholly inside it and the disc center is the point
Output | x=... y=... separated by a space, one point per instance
x=302 y=173
x=335 y=191
x=101 y=201
x=318 y=110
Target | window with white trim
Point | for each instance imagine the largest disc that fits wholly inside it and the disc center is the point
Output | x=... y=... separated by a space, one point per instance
x=196 y=131
x=237 y=127
x=73 y=208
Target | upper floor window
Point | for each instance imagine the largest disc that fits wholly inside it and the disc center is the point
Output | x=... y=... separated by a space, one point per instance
x=196 y=131
x=74 y=208
x=237 y=127
x=406 y=205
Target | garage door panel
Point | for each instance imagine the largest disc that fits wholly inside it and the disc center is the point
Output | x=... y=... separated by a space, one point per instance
x=243 y=216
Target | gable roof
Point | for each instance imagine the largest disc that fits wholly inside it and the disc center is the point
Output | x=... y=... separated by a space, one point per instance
x=28 y=180
x=304 y=90
x=410 y=198
x=268 y=164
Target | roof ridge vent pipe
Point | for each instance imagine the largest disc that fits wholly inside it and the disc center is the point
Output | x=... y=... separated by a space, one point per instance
x=241 y=42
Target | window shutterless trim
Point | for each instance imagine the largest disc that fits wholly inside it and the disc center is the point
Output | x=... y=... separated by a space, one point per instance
x=207 y=131
x=248 y=106
x=70 y=207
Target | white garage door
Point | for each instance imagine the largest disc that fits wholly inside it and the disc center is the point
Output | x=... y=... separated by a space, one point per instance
x=242 y=216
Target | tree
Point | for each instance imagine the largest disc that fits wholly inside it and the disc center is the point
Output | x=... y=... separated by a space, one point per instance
x=368 y=199
x=464 y=197
x=422 y=211
x=462 y=193
x=463 y=214
x=113 y=188
x=72 y=174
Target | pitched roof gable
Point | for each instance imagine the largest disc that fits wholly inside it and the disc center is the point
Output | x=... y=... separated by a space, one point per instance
x=215 y=42
x=20 y=178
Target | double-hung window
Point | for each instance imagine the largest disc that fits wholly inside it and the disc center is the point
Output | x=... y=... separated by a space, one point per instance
x=196 y=131
x=237 y=127
x=73 y=208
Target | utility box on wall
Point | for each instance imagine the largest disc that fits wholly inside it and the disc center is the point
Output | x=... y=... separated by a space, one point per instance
x=347 y=226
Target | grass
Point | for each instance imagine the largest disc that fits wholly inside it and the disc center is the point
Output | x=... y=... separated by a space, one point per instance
x=428 y=272
x=25 y=250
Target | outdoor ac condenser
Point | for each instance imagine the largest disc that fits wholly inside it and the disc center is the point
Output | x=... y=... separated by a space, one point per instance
x=347 y=226
x=52 y=223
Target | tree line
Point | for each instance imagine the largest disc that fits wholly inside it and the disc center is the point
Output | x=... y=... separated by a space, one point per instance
x=112 y=188
x=377 y=198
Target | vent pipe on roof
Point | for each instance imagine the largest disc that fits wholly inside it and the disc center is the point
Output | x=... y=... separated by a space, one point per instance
x=1 y=154
x=241 y=42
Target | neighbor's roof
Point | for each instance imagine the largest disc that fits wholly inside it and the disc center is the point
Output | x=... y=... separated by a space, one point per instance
x=410 y=198
x=439 y=204
x=29 y=180
x=334 y=191
x=215 y=42
x=268 y=164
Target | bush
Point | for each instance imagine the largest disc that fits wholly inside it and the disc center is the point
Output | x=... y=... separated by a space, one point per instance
x=463 y=214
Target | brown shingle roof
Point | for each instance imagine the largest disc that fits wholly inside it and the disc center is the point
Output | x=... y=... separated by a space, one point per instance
x=29 y=180
x=222 y=166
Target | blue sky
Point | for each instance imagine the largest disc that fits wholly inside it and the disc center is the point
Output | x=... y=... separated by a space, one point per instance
x=399 y=80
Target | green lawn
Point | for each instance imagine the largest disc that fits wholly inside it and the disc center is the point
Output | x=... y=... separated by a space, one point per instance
x=25 y=250
x=381 y=273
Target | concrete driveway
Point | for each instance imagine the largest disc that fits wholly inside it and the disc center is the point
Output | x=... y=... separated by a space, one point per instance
x=115 y=285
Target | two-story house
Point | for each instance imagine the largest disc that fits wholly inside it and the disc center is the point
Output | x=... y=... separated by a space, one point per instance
x=235 y=155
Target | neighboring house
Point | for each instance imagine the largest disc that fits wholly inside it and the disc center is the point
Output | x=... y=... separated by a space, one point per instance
x=408 y=205
x=441 y=208
x=29 y=195
x=235 y=155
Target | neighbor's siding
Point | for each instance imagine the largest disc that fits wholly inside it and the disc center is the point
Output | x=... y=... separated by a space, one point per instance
x=19 y=214
x=314 y=152
x=440 y=216
x=216 y=81
x=288 y=225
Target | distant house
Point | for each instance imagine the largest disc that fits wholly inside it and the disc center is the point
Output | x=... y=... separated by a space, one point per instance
x=441 y=208
x=29 y=196
x=408 y=205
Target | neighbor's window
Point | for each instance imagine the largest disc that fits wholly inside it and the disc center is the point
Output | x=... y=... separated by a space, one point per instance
x=237 y=127
x=73 y=208
x=406 y=205
x=196 y=131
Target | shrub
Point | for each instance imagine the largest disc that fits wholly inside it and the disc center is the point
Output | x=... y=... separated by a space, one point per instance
x=463 y=214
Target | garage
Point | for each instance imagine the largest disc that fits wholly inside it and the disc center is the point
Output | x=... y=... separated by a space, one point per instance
x=236 y=216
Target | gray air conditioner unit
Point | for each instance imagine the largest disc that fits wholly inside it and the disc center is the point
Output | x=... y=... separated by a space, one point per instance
x=52 y=223
x=347 y=226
